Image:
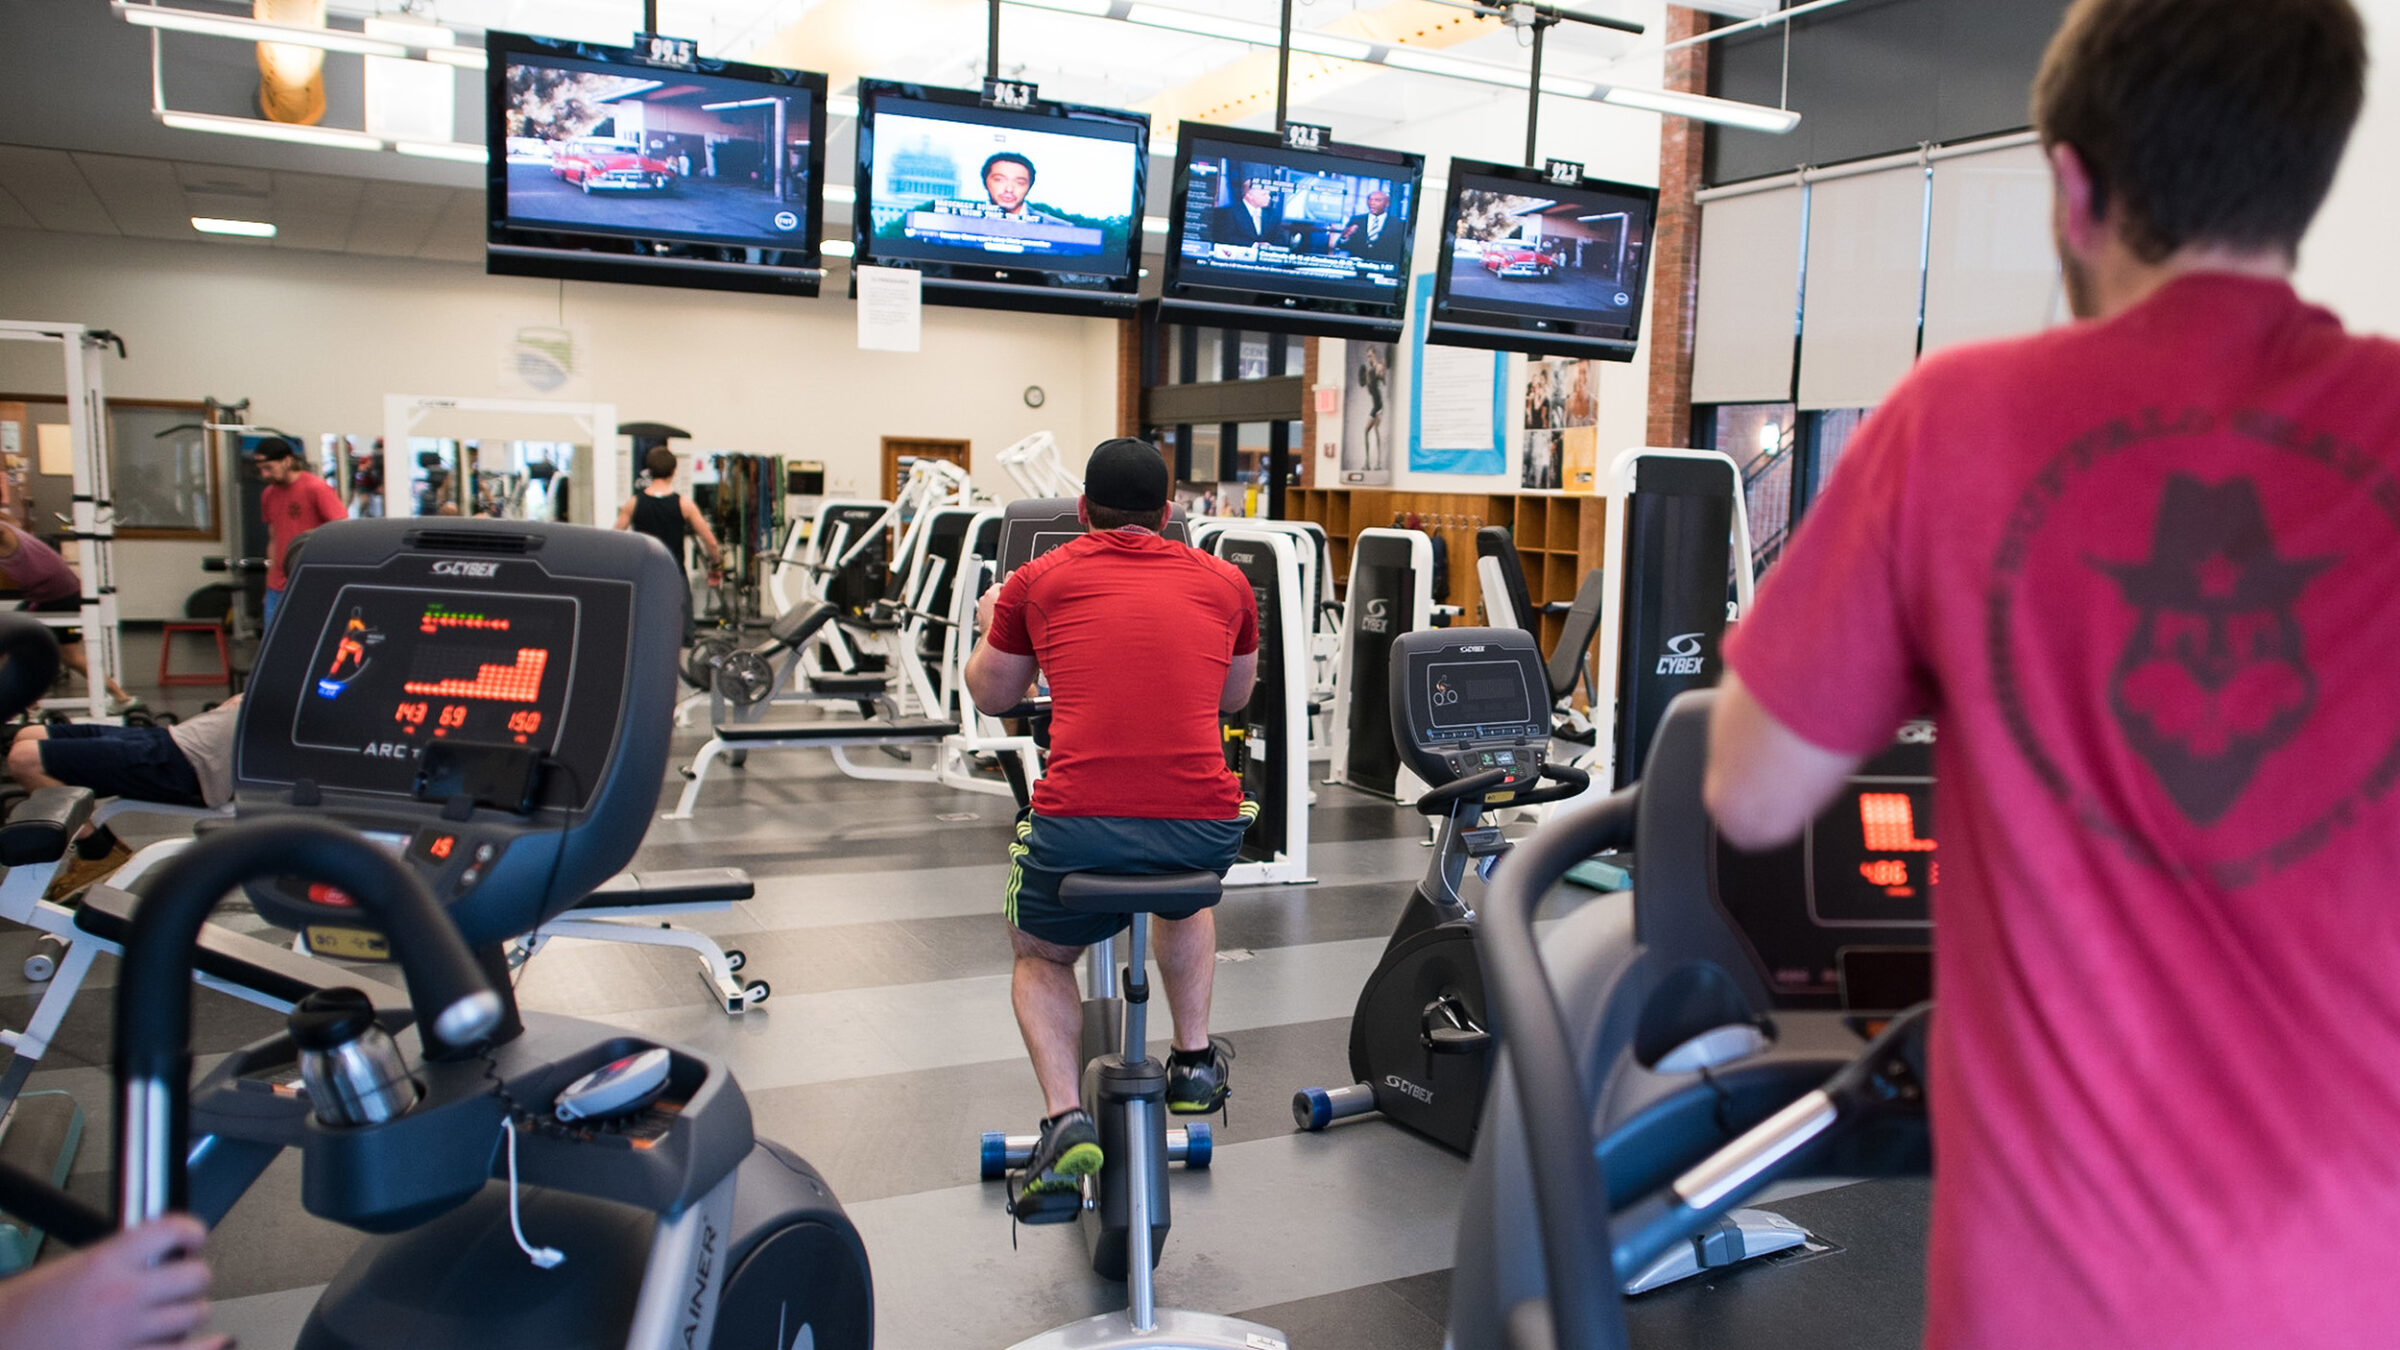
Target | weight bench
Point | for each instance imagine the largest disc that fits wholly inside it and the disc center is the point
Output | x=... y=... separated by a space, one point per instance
x=631 y=907
x=776 y=670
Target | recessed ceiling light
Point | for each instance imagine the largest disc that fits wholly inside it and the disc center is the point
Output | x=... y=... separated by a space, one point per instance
x=265 y=130
x=247 y=229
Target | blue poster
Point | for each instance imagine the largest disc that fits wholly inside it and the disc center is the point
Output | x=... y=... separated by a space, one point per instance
x=1458 y=376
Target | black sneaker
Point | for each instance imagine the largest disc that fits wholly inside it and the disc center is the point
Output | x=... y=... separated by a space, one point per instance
x=1068 y=1152
x=1199 y=1081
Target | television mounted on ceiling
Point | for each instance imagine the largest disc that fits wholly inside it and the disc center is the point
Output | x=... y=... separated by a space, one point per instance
x=1032 y=208
x=1297 y=241
x=606 y=166
x=1528 y=264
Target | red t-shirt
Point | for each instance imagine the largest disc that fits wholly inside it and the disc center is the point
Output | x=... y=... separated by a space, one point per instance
x=1136 y=634
x=2146 y=572
x=291 y=510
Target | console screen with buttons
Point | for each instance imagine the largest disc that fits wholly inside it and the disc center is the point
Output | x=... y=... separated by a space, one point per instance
x=396 y=669
x=1472 y=699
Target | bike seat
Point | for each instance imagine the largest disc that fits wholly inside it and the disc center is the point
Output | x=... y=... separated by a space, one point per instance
x=1158 y=893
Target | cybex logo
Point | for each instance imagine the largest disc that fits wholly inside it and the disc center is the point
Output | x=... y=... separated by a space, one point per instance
x=386 y=750
x=1917 y=733
x=1240 y=559
x=1378 y=618
x=1476 y=648
x=449 y=568
x=1683 y=655
x=1423 y=1094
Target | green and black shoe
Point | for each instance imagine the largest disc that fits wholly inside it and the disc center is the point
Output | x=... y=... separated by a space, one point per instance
x=1199 y=1081
x=1068 y=1152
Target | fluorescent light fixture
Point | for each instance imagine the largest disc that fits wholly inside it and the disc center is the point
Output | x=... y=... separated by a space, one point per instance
x=1241 y=30
x=1724 y=112
x=251 y=30
x=409 y=32
x=461 y=151
x=1434 y=63
x=261 y=129
x=247 y=229
x=1568 y=88
x=473 y=58
x=839 y=248
x=1097 y=9
x=1154 y=224
x=840 y=192
x=841 y=105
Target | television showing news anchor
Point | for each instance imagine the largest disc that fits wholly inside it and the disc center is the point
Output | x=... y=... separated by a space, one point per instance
x=985 y=185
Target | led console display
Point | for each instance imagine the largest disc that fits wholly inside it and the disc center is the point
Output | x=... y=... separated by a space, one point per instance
x=395 y=669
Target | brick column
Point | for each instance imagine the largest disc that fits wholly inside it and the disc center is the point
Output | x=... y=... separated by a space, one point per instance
x=1129 y=378
x=1675 y=247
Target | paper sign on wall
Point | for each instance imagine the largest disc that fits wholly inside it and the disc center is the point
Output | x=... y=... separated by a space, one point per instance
x=55 y=442
x=890 y=309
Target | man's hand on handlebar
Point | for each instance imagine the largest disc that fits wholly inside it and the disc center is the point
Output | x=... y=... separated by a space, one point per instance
x=143 y=1287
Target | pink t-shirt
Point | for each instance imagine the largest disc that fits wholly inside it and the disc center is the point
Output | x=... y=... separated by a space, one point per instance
x=2146 y=573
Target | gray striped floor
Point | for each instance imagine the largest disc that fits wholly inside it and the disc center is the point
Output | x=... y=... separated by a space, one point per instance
x=888 y=1045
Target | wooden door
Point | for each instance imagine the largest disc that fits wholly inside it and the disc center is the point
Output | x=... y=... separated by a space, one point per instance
x=897 y=448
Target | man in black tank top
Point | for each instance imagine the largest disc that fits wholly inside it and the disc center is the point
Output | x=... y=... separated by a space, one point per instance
x=662 y=513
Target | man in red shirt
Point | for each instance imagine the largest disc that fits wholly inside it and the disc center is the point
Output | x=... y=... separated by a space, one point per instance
x=1145 y=641
x=2145 y=569
x=295 y=502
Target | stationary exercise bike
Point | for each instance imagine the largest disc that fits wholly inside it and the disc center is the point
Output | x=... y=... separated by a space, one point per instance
x=1124 y=1206
x=412 y=788
x=1471 y=716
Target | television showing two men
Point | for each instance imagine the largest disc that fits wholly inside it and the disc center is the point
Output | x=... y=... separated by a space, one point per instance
x=1258 y=223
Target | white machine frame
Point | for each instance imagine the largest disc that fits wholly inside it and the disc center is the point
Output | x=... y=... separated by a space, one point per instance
x=1408 y=787
x=403 y=412
x=1610 y=657
x=95 y=510
x=1290 y=866
x=1039 y=469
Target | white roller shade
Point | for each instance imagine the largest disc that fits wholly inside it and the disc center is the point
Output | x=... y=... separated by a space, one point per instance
x=1990 y=270
x=1749 y=297
x=1866 y=250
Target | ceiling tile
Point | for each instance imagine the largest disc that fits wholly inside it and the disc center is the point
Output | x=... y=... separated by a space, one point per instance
x=315 y=210
x=394 y=218
x=141 y=195
x=14 y=216
x=458 y=236
x=46 y=183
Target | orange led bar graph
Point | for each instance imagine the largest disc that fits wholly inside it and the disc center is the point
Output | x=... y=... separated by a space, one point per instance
x=520 y=683
x=1890 y=822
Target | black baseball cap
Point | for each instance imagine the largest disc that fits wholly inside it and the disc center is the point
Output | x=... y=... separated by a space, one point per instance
x=1126 y=475
x=276 y=447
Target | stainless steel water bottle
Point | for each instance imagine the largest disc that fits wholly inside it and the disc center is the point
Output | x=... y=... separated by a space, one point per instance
x=354 y=1072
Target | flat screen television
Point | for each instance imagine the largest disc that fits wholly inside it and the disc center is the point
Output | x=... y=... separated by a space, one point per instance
x=1297 y=241
x=1530 y=265
x=604 y=166
x=1036 y=208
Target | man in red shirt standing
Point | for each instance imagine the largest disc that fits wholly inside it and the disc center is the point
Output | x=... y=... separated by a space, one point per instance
x=295 y=502
x=2145 y=570
x=1145 y=641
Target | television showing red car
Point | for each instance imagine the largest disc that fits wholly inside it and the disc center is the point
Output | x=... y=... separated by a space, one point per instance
x=611 y=166
x=1522 y=258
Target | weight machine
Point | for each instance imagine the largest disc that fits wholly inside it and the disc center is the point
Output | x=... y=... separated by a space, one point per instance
x=94 y=514
x=1038 y=468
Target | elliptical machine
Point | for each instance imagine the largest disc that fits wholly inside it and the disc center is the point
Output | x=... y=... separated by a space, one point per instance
x=1471 y=716
x=454 y=732
x=1743 y=1029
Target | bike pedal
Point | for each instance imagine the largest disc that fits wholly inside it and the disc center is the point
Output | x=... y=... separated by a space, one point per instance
x=1044 y=1206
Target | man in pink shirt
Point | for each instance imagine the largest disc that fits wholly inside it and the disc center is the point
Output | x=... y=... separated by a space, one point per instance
x=295 y=502
x=2145 y=569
